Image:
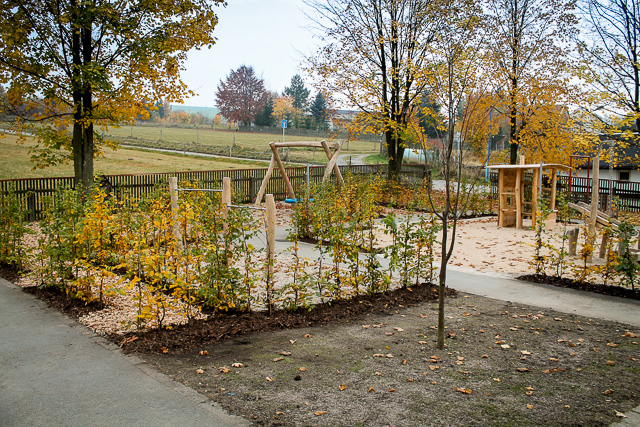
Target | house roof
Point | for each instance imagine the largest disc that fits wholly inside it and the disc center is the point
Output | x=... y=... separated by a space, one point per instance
x=629 y=156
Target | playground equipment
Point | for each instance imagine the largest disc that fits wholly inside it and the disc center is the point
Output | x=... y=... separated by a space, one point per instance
x=513 y=205
x=276 y=161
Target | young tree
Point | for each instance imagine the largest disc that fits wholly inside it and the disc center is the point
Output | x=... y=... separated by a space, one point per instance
x=241 y=96
x=298 y=92
x=611 y=53
x=457 y=84
x=320 y=112
x=529 y=52
x=375 y=60
x=86 y=63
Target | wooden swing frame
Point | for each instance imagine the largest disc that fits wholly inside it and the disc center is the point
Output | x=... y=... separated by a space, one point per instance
x=276 y=161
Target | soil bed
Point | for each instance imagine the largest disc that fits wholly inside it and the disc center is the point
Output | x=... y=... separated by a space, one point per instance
x=503 y=365
x=564 y=282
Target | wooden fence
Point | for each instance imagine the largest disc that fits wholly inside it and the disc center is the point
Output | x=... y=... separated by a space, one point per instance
x=625 y=194
x=246 y=182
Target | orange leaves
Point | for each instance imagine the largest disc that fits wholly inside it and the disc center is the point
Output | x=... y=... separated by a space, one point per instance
x=463 y=390
x=342 y=387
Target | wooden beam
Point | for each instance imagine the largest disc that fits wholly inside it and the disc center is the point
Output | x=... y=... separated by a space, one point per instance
x=332 y=145
x=554 y=182
x=283 y=172
x=265 y=181
x=332 y=161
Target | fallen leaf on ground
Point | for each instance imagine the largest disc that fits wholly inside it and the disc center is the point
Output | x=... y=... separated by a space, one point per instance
x=342 y=387
x=610 y=344
x=530 y=406
x=308 y=336
x=292 y=342
x=371 y=389
x=165 y=350
x=620 y=414
x=607 y=392
x=303 y=369
x=463 y=390
x=611 y=363
x=318 y=413
x=398 y=329
x=237 y=365
x=526 y=353
x=523 y=369
x=200 y=371
x=223 y=369
x=203 y=352
x=629 y=335
x=277 y=359
x=391 y=390
x=285 y=353
x=269 y=379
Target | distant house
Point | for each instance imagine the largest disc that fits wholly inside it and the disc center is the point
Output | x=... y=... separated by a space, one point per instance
x=625 y=168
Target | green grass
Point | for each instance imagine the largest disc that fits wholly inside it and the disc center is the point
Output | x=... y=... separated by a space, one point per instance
x=15 y=162
x=207 y=139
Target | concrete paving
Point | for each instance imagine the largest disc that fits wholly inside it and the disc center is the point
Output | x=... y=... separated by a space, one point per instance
x=57 y=373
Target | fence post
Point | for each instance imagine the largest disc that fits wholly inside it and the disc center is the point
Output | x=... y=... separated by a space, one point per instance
x=226 y=201
x=252 y=189
x=173 y=191
x=31 y=204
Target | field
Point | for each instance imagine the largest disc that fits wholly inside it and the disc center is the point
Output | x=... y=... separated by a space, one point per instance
x=222 y=141
x=15 y=163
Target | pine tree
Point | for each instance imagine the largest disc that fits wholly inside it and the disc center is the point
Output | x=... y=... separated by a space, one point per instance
x=319 y=111
x=298 y=92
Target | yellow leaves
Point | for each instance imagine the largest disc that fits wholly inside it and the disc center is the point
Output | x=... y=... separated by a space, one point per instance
x=342 y=387
x=463 y=390
x=319 y=413
x=610 y=363
x=199 y=371
x=203 y=352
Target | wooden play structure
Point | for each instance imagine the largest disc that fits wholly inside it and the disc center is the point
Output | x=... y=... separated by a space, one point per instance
x=276 y=161
x=517 y=198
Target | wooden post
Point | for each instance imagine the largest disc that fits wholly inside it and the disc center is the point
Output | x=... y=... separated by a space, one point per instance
x=518 y=196
x=252 y=189
x=226 y=200
x=173 y=191
x=271 y=242
x=501 y=202
x=573 y=241
x=31 y=204
x=554 y=183
x=604 y=244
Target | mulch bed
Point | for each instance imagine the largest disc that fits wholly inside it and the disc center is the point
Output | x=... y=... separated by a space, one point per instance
x=563 y=282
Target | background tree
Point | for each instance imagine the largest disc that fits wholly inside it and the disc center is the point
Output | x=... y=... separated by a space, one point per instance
x=529 y=52
x=611 y=56
x=283 y=109
x=298 y=92
x=320 y=112
x=265 y=117
x=85 y=64
x=375 y=60
x=241 y=96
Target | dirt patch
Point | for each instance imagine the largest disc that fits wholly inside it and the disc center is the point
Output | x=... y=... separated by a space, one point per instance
x=503 y=364
x=183 y=338
x=599 y=288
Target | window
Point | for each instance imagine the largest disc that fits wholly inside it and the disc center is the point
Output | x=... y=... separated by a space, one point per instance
x=623 y=175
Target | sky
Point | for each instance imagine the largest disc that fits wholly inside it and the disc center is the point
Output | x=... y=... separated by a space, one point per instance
x=272 y=36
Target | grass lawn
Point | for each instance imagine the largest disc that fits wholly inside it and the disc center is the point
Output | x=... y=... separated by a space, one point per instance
x=206 y=139
x=15 y=163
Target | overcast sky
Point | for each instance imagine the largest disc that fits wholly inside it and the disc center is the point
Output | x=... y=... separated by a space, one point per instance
x=270 y=35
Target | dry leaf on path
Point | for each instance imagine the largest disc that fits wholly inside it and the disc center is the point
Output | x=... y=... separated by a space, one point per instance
x=318 y=413
x=463 y=390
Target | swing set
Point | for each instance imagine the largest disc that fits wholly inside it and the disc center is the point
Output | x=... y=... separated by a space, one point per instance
x=332 y=156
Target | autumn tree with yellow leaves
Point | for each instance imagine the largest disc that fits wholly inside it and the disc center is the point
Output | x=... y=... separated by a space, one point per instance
x=84 y=63
x=531 y=76
x=374 y=60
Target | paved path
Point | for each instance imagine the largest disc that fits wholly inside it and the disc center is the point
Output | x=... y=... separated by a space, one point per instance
x=56 y=373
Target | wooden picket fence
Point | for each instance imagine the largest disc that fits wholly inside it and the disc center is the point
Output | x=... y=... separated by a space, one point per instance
x=246 y=182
